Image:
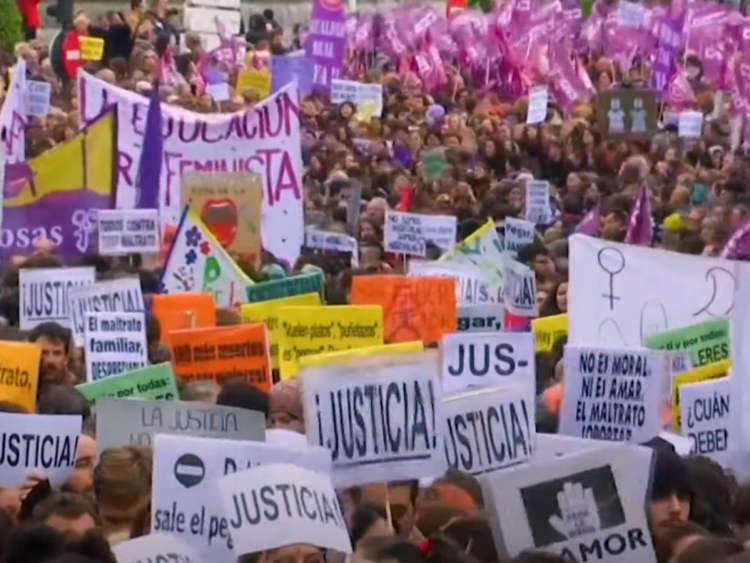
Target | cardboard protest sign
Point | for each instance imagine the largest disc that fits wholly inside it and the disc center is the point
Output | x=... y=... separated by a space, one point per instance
x=183 y=311
x=153 y=382
x=114 y=343
x=697 y=375
x=469 y=287
x=19 y=374
x=480 y=318
x=413 y=308
x=598 y=514
x=318 y=523
x=471 y=360
x=409 y=233
x=403 y=440
x=154 y=547
x=612 y=394
x=185 y=500
x=230 y=206
x=707 y=342
x=287 y=287
x=122 y=295
x=124 y=422
x=308 y=331
x=625 y=113
x=37 y=442
x=519 y=233
x=222 y=354
x=490 y=429
x=548 y=329
x=128 y=231
x=44 y=294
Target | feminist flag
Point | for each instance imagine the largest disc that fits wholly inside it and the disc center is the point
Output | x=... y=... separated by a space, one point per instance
x=640 y=229
x=149 y=169
x=738 y=245
x=590 y=223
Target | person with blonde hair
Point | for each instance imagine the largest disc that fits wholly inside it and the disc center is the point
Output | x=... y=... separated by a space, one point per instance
x=122 y=484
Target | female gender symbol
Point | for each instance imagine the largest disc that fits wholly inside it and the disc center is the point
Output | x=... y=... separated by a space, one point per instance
x=611 y=261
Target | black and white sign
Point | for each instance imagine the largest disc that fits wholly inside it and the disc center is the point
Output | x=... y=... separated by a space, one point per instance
x=518 y=233
x=519 y=288
x=122 y=295
x=155 y=547
x=537 y=202
x=45 y=294
x=128 y=231
x=480 y=318
x=469 y=287
x=114 y=343
x=409 y=233
x=38 y=98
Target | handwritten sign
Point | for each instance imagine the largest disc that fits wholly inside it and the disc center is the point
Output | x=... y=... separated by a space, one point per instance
x=153 y=382
x=19 y=374
x=537 y=202
x=409 y=233
x=359 y=94
x=707 y=342
x=38 y=98
x=548 y=329
x=92 y=48
x=254 y=81
x=128 y=231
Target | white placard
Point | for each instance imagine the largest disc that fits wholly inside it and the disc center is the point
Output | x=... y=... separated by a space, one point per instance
x=155 y=547
x=359 y=94
x=316 y=519
x=128 y=231
x=38 y=98
x=114 y=343
x=219 y=92
x=123 y=295
x=379 y=417
x=621 y=293
x=480 y=318
x=708 y=419
x=519 y=288
x=340 y=242
x=518 y=233
x=480 y=359
x=185 y=501
x=45 y=294
x=630 y=14
x=409 y=233
x=13 y=114
x=469 y=287
x=537 y=110
x=690 y=125
x=537 y=202
x=489 y=430
x=584 y=507
x=47 y=443
x=612 y=394
x=203 y=20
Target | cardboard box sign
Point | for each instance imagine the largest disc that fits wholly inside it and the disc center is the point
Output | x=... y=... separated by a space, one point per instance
x=627 y=114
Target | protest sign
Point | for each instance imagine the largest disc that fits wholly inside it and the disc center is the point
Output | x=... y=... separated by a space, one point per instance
x=710 y=372
x=92 y=48
x=38 y=98
x=612 y=394
x=537 y=110
x=402 y=440
x=122 y=295
x=114 y=343
x=413 y=308
x=287 y=287
x=37 y=442
x=487 y=360
x=690 y=125
x=19 y=374
x=519 y=288
x=154 y=383
x=598 y=514
x=410 y=233
x=318 y=523
x=154 y=547
x=713 y=426
x=627 y=113
x=433 y=164
x=264 y=139
x=518 y=233
x=185 y=500
x=13 y=114
x=537 y=202
x=219 y=92
x=317 y=330
x=707 y=342
x=624 y=293
x=223 y=354
x=124 y=422
x=548 y=329
x=252 y=80
x=324 y=240
x=490 y=429
x=44 y=294
x=325 y=45
x=350 y=357
x=183 y=311
x=269 y=313
x=284 y=69
x=359 y=94
x=128 y=231
x=469 y=287
x=480 y=318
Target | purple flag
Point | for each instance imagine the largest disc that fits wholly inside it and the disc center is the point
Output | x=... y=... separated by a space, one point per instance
x=738 y=245
x=149 y=168
x=670 y=40
x=640 y=229
x=326 y=43
x=590 y=223
x=286 y=69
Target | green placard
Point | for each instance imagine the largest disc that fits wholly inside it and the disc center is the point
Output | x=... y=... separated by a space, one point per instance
x=433 y=164
x=707 y=342
x=288 y=287
x=155 y=383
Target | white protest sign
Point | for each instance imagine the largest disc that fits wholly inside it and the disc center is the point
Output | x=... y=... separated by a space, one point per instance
x=128 y=231
x=537 y=202
x=264 y=139
x=340 y=242
x=382 y=425
x=45 y=294
x=612 y=394
x=484 y=359
x=708 y=418
x=469 y=287
x=409 y=233
x=518 y=233
x=537 y=110
x=630 y=14
x=480 y=318
x=219 y=92
x=690 y=125
x=519 y=288
x=159 y=548
x=623 y=293
x=38 y=98
x=361 y=95
x=124 y=422
x=114 y=343
x=47 y=443
x=598 y=514
x=489 y=430
x=13 y=115
x=122 y=295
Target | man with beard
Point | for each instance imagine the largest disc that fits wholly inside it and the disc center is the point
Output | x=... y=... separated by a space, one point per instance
x=54 y=342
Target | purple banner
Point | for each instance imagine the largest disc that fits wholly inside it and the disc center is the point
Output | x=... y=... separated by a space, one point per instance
x=670 y=39
x=286 y=69
x=326 y=43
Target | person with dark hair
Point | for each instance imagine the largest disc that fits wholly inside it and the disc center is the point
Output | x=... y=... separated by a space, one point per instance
x=54 y=341
x=400 y=496
x=713 y=493
x=68 y=513
x=671 y=493
x=203 y=391
x=537 y=257
x=62 y=399
x=242 y=395
x=368 y=521
x=33 y=543
x=435 y=549
x=6 y=527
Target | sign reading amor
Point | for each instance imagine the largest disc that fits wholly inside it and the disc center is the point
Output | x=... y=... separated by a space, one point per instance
x=264 y=140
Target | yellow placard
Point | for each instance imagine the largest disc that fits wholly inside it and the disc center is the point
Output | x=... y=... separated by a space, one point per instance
x=348 y=356
x=703 y=373
x=548 y=329
x=317 y=330
x=268 y=312
x=250 y=79
x=19 y=374
x=366 y=111
x=92 y=48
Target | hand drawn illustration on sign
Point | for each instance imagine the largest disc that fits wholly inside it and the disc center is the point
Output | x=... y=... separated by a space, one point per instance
x=712 y=273
x=612 y=262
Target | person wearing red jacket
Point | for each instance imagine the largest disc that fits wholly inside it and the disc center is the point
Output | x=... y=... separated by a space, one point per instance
x=29 y=10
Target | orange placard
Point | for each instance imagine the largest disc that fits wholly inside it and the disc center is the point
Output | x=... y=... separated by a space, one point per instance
x=413 y=308
x=223 y=354
x=183 y=311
